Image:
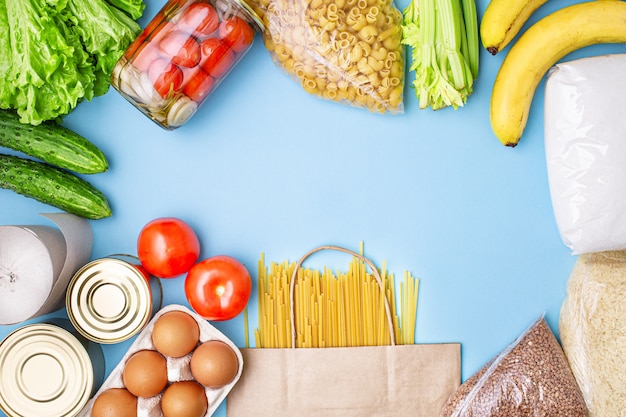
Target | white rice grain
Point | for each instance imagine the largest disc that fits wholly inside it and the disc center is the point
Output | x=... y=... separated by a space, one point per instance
x=592 y=329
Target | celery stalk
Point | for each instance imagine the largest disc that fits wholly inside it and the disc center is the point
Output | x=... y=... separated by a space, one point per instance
x=470 y=17
x=436 y=32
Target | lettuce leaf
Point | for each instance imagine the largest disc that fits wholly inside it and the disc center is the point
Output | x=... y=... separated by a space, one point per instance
x=134 y=8
x=57 y=53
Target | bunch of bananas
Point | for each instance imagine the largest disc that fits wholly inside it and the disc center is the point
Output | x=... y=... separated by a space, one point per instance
x=538 y=49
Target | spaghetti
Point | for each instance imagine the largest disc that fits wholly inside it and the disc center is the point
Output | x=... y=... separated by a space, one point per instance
x=333 y=309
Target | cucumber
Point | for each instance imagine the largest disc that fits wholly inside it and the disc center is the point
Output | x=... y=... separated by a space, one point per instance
x=51 y=143
x=52 y=185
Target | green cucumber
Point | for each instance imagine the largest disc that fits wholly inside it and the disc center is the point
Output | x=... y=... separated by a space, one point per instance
x=51 y=143
x=52 y=185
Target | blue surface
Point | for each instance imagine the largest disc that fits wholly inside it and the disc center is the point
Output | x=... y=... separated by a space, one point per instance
x=265 y=167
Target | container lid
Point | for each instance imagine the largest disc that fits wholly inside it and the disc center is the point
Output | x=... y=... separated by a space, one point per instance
x=44 y=371
x=109 y=300
x=253 y=15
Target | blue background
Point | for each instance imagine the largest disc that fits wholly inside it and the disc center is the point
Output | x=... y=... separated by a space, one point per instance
x=265 y=167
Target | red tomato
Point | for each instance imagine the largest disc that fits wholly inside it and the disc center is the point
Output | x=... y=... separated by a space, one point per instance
x=167 y=247
x=199 y=85
x=144 y=56
x=237 y=33
x=218 y=288
x=199 y=19
x=217 y=58
x=165 y=76
x=145 y=33
x=181 y=48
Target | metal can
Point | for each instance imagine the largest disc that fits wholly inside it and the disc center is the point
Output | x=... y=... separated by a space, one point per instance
x=111 y=299
x=182 y=55
x=48 y=370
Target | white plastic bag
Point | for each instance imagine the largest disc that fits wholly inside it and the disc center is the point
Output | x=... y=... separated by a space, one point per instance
x=585 y=142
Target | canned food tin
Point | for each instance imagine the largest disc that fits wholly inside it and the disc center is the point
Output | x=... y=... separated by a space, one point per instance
x=111 y=299
x=182 y=55
x=47 y=371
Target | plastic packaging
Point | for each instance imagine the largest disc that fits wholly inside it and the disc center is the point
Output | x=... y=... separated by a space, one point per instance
x=585 y=143
x=347 y=51
x=182 y=55
x=529 y=378
x=592 y=327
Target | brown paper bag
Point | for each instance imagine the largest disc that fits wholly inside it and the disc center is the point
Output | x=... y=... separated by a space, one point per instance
x=367 y=381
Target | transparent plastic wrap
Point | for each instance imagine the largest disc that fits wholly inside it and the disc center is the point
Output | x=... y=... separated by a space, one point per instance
x=592 y=327
x=585 y=142
x=531 y=377
x=347 y=51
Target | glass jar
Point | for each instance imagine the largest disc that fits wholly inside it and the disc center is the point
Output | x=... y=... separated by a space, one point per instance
x=182 y=56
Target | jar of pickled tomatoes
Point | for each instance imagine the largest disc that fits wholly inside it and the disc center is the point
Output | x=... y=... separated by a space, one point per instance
x=182 y=56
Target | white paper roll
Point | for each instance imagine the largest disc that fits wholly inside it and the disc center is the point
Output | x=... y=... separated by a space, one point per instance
x=37 y=263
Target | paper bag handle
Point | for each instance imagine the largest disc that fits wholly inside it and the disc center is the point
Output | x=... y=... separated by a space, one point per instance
x=375 y=272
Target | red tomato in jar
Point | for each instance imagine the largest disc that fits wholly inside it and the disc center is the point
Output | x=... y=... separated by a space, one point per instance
x=199 y=19
x=144 y=56
x=167 y=247
x=198 y=85
x=166 y=77
x=218 y=288
x=181 y=48
x=141 y=40
x=237 y=33
x=217 y=58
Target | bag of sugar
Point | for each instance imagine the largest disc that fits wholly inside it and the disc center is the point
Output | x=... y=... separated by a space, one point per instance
x=585 y=143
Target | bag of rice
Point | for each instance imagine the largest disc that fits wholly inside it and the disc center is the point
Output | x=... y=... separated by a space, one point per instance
x=592 y=327
x=529 y=378
x=585 y=143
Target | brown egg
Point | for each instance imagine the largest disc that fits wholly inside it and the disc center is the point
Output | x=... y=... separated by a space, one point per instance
x=145 y=373
x=184 y=399
x=175 y=333
x=214 y=364
x=115 y=402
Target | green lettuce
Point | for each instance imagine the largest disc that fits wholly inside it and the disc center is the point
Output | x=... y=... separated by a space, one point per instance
x=134 y=8
x=57 y=53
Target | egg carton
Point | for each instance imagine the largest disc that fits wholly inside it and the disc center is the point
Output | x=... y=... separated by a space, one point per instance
x=178 y=369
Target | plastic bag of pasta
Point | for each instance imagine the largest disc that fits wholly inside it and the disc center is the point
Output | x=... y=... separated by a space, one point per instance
x=347 y=51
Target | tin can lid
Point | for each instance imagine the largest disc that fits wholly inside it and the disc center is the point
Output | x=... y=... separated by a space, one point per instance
x=109 y=300
x=44 y=371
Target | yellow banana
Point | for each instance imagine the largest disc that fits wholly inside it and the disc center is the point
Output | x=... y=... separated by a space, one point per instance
x=538 y=49
x=502 y=21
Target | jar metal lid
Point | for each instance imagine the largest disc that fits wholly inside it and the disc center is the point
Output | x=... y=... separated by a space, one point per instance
x=252 y=13
x=242 y=4
x=44 y=371
x=109 y=300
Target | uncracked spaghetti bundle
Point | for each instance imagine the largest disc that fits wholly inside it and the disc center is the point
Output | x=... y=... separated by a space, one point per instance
x=333 y=309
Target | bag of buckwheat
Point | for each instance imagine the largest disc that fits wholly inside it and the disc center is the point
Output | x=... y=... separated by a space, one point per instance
x=592 y=327
x=529 y=378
